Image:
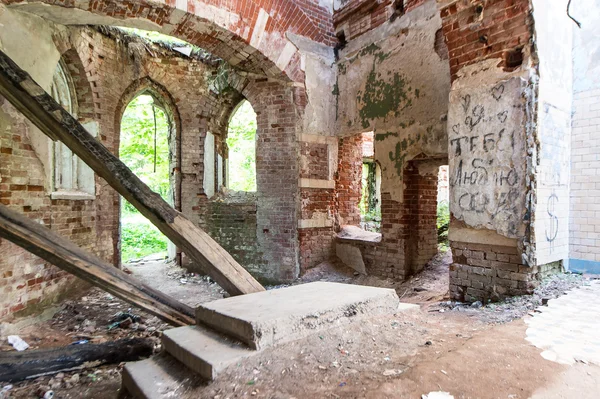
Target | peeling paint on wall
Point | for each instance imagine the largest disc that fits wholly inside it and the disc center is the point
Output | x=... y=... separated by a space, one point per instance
x=394 y=83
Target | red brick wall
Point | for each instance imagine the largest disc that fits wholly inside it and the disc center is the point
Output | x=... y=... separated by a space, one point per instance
x=349 y=179
x=420 y=216
x=356 y=17
x=476 y=31
x=277 y=172
x=25 y=280
x=302 y=17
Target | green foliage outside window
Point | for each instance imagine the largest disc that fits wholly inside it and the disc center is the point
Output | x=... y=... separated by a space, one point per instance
x=151 y=164
x=443 y=222
x=241 y=141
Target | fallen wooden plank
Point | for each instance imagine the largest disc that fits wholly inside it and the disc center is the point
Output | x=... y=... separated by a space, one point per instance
x=55 y=249
x=41 y=109
x=18 y=366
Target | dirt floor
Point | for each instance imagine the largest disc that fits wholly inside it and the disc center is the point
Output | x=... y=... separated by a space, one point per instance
x=470 y=351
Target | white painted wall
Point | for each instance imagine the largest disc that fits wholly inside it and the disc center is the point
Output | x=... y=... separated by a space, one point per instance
x=585 y=140
x=553 y=30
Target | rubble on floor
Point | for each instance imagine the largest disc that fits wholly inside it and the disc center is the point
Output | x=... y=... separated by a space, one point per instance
x=519 y=306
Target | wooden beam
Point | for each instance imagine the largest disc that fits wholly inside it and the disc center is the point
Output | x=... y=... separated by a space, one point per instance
x=18 y=366
x=55 y=249
x=41 y=109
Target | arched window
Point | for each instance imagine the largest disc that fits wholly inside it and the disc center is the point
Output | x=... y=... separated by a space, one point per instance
x=73 y=179
x=241 y=143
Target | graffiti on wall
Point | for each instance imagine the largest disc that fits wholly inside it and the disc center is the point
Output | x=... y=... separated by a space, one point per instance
x=487 y=157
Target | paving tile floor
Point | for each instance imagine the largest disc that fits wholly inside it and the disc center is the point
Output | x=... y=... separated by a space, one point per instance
x=568 y=329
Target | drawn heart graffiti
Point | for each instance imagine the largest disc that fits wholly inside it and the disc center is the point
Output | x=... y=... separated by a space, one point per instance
x=466 y=102
x=502 y=116
x=498 y=91
x=456 y=128
x=478 y=113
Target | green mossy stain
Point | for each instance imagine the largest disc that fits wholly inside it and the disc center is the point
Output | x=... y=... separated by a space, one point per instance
x=383 y=136
x=398 y=156
x=382 y=97
x=341 y=68
x=336 y=93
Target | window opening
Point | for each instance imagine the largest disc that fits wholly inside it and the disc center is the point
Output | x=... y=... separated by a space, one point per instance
x=241 y=143
x=370 y=202
x=71 y=174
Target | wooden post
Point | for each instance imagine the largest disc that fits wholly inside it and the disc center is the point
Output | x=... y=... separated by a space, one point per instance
x=41 y=109
x=55 y=249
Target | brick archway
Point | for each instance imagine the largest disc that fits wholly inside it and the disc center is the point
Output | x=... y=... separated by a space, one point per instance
x=247 y=34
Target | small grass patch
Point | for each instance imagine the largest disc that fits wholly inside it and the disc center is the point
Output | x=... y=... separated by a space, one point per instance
x=141 y=238
x=443 y=222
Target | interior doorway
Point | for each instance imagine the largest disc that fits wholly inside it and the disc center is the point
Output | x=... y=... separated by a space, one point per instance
x=144 y=147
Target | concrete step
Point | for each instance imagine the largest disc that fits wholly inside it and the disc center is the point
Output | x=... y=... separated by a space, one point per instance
x=159 y=377
x=272 y=317
x=203 y=351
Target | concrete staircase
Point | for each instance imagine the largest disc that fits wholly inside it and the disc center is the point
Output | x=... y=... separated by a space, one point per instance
x=232 y=329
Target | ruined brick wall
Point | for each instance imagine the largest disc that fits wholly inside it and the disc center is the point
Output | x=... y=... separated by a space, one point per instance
x=318 y=165
x=242 y=27
x=349 y=179
x=490 y=272
x=395 y=81
x=355 y=17
x=420 y=213
x=103 y=78
x=231 y=221
x=489 y=44
x=277 y=174
x=476 y=31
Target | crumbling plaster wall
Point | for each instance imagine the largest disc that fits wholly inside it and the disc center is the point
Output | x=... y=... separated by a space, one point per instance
x=499 y=145
x=390 y=84
x=394 y=80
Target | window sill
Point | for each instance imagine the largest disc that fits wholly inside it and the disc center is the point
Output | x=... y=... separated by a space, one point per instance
x=72 y=195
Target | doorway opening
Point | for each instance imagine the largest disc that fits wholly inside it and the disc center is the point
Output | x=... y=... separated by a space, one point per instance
x=144 y=148
x=370 y=201
x=443 y=209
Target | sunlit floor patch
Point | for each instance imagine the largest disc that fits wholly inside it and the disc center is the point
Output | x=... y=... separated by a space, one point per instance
x=568 y=328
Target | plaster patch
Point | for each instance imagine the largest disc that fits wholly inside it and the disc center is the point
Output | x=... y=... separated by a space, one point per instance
x=488 y=156
x=259 y=28
x=286 y=56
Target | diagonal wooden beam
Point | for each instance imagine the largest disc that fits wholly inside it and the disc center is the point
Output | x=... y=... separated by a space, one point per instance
x=40 y=108
x=55 y=249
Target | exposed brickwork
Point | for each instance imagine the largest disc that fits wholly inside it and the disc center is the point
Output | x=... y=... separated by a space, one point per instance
x=277 y=177
x=419 y=217
x=232 y=222
x=356 y=17
x=476 y=31
x=349 y=179
x=316 y=246
x=492 y=272
x=318 y=156
x=302 y=17
x=408 y=228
